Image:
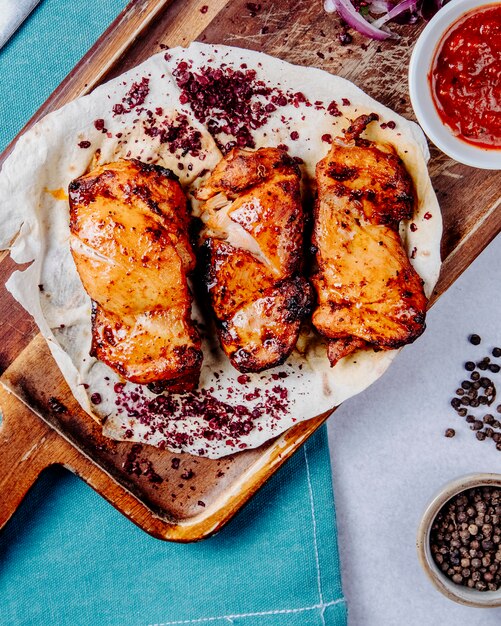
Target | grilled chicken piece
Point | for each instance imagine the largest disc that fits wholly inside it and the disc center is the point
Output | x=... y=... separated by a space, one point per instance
x=253 y=225
x=369 y=295
x=129 y=240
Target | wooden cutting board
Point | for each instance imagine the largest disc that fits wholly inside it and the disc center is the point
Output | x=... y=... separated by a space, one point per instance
x=181 y=497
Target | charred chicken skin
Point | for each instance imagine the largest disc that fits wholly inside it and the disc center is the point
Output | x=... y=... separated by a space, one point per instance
x=369 y=295
x=129 y=240
x=253 y=238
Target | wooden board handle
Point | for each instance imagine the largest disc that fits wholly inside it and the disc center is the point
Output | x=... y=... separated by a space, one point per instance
x=25 y=450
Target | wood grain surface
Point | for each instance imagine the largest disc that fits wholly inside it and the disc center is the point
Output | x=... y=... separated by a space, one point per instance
x=57 y=430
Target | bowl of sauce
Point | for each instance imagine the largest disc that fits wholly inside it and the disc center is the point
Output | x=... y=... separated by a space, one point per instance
x=455 y=82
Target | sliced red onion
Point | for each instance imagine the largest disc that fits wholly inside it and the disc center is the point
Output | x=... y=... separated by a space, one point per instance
x=405 y=5
x=352 y=17
x=372 y=28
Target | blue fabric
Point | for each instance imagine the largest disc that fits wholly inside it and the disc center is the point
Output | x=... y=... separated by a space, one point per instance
x=68 y=558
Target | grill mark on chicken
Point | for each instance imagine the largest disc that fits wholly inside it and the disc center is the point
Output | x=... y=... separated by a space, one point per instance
x=369 y=295
x=129 y=239
x=252 y=243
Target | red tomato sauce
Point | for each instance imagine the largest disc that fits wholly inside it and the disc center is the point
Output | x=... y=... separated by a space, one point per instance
x=465 y=77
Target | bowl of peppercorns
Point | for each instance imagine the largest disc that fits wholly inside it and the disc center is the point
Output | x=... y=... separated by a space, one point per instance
x=459 y=540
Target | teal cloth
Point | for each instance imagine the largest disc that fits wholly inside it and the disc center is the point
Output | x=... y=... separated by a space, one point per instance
x=68 y=558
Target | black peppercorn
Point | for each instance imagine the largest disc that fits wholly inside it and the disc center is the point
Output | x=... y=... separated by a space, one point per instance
x=465 y=538
x=476 y=392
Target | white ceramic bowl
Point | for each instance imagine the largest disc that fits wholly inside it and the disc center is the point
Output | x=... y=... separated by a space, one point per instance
x=420 y=91
x=458 y=593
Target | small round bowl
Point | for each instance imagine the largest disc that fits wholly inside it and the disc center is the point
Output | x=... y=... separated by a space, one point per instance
x=420 y=90
x=458 y=593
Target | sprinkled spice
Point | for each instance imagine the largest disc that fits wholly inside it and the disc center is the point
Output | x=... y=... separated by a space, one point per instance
x=84 y=144
x=450 y=432
x=223 y=99
x=96 y=398
x=465 y=538
x=135 y=97
x=204 y=9
x=333 y=109
x=177 y=133
x=138 y=466
x=218 y=420
x=475 y=339
x=232 y=103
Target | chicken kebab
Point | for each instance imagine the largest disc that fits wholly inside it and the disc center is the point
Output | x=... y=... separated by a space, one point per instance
x=369 y=295
x=129 y=240
x=253 y=251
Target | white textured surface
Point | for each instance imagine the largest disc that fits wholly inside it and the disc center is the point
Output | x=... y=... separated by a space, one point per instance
x=12 y=15
x=389 y=456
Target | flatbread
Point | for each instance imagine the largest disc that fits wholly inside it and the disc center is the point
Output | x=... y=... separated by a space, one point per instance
x=230 y=412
